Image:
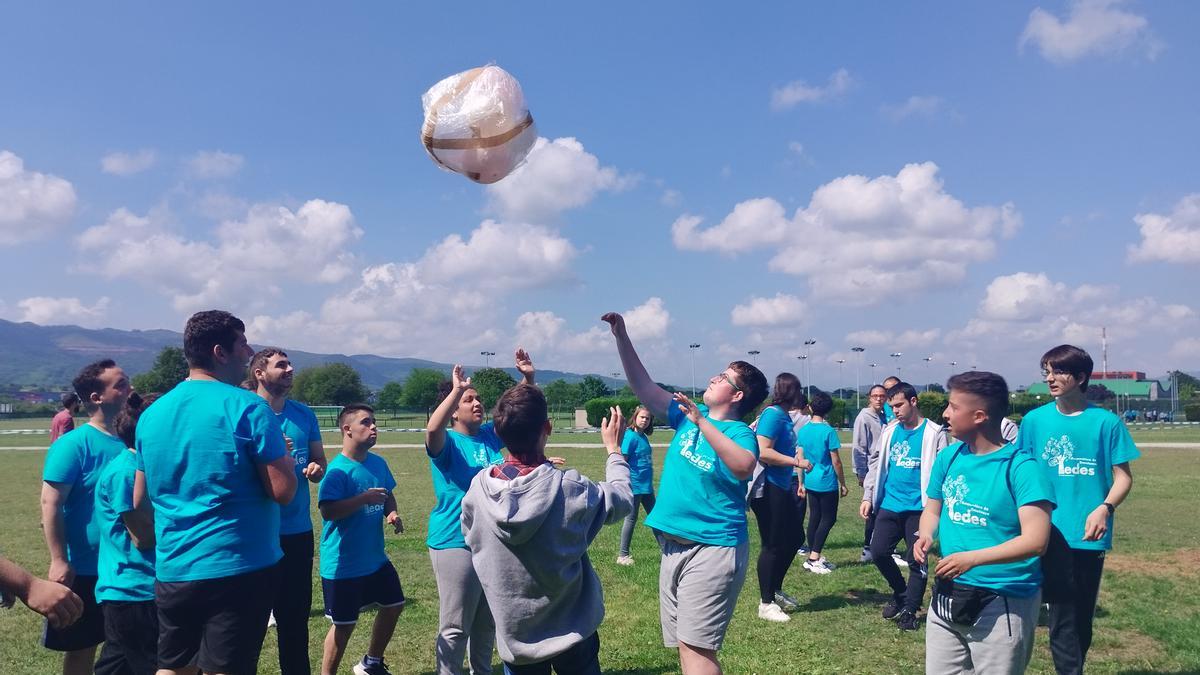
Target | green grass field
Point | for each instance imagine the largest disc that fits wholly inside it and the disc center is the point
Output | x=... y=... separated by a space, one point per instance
x=1149 y=618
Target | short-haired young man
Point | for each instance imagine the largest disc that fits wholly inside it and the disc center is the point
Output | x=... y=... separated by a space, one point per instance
x=989 y=505
x=700 y=517
x=214 y=464
x=355 y=500
x=529 y=526
x=894 y=492
x=270 y=375
x=73 y=465
x=1084 y=452
x=868 y=426
x=64 y=421
x=125 y=587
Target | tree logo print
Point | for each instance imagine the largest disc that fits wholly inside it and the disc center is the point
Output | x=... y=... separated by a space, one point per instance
x=1058 y=450
x=955 y=491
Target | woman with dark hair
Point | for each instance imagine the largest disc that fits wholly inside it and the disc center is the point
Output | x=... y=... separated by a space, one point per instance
x=775 y=507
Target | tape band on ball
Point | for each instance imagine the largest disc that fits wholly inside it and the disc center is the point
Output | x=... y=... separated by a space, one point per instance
x=477 y=143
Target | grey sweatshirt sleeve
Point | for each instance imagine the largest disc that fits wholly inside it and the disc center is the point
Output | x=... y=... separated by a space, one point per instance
x=872 y=477
x=616 y=493
x=861 y=445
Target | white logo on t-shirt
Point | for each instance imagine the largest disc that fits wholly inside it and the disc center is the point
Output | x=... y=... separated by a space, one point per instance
x=954 y=493
x=902 y=456
x=1060 y=452
x=688 y=442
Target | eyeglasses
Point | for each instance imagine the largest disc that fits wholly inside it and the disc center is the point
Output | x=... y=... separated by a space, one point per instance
x=878 y=396
x=1046 y=372
x=727 y=378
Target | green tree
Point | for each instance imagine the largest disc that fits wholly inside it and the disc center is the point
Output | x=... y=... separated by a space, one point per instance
x=169 y=369
x=390 y=397
x=421 y=388
x=932 y=404
x=562 y=395
x=330 y=384
x=1098 y=393
x=490 y=383
x=1188 y=385
x=593 y=387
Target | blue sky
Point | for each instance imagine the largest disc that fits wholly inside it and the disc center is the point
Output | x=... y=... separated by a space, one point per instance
x=962 y=182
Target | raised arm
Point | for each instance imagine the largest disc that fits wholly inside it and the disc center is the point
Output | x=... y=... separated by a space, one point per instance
x=524 y=365
x=435 y=430
x=650 y=394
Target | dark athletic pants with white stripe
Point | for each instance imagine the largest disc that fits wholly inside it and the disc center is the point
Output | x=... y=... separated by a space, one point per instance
x=1072 y=600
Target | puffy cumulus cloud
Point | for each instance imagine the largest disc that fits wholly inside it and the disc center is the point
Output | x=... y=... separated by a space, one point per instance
x=647 y=324
x=1171 y=238
x=859 y=234
x=798 y=91
x=128 y=163
x=781 y=310
x=248 y=260
x=557 y=176
x=508 y=255
x=58 y=311
x=32 y=204
x=211 y=164
x=538 y=330
x=1091 y=27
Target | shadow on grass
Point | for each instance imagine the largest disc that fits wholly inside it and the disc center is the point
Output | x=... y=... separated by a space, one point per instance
x=1184 y=671
x=850 y=597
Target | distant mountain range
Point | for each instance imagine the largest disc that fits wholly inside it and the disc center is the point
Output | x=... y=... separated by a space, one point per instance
x=50 y=356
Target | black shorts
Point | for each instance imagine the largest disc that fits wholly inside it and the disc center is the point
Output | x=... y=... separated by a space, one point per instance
x=130 y=638
x=216 y=624
x=88 y=631
x=345 y=598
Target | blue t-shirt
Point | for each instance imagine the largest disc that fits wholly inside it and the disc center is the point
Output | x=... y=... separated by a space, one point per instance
x=126 y=573
x=699 y=498
x=636 y=448
x=776 y=424
x=353 y=546
x=461 y=458
x=888 y=413
x=299 y=423
x=979 y=510
x=76 y=459
x=902 y=485
x=819 y=441
x=1078 y=453
x=200 y=446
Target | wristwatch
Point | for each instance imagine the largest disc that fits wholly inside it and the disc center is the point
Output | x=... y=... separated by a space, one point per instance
x=1110 y=508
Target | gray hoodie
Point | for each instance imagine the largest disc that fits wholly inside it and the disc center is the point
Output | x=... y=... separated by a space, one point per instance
x=867 y=428
x=529 y=538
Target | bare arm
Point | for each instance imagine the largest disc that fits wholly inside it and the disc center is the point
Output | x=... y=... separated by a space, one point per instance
x=140 y=525
x=393 y=517
x=279 y=478
x=336 y=510
x=927 y=529
x=1096 y=525
x=316 y=462
x=435 y=429
x=1035 y=532
x=836 y=459
x=54 y=601
x=54 y=495
x=651 y=395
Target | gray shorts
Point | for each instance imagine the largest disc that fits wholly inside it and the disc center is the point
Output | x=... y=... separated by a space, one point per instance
x=698 y=587
x=1001 y=641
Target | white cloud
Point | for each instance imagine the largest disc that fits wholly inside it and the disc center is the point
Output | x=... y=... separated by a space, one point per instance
x=1171 y=238
x=538 y=330
x=671 y=198
x=648 y=321
x=214 y=164
x=557 y=176
x=506 y=255
x=798 y=91
x=61 y=311
x=1021 y=296
x=1092 y=27
x=915 y=106
x=1186 y=350
x=781 y=310
x=906 y=339
x=128 y=163
x=243 y=267
x=32 y=204
x=860 y=234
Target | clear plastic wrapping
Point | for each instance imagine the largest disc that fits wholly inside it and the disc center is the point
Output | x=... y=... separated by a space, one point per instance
x=477 y=124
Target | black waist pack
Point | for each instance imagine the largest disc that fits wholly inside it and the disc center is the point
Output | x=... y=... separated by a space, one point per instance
x=959 y=603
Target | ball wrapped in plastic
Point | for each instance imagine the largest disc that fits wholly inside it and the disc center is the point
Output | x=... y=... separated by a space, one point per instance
x=477 y=124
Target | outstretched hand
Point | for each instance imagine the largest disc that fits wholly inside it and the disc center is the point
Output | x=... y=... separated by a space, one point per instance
x=612 y=429
x=687 y=406
x=459 y=380
x=524 y=363
x=616 y=322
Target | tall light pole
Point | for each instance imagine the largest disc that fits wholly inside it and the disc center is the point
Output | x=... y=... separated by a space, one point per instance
x=694 y=346
x=807 y=345
x=753 y=353
x=804 y=362
x=897 y=355
x=927 y=359
x=841 y=371
x=486 y=355
x=857 y=378
x=873 y=380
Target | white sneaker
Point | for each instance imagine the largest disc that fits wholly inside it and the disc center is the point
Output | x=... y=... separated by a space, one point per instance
x=900 y=561
x=624 y=560
x=769 y=611
x=817 y=566
x=828 y=564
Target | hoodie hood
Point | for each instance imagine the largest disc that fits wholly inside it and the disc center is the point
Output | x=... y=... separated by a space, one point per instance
x=516 y=509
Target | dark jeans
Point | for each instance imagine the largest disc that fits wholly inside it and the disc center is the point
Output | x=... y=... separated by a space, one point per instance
x=775 y=512
x=131 y=634
x=869 y=529
x=293 y=602
x=822 y=514
x=890 y=528
x=582 y=659
x=1072 y=601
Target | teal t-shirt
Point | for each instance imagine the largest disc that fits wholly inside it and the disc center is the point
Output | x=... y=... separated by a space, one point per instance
x=353 y=546
x=776 y=424
x=200 y=446
x=1077 y=453
x=902 y=485
x=979 y=510
x=460 y=459
x=299 y=423
x=76 y=459
x=126 y=573
x=636 y=448
x=699 y=498
x=818 y=440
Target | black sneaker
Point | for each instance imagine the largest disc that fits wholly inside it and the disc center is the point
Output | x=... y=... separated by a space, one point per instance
x=892 y=608
x=907 y=621
x=361 y=668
